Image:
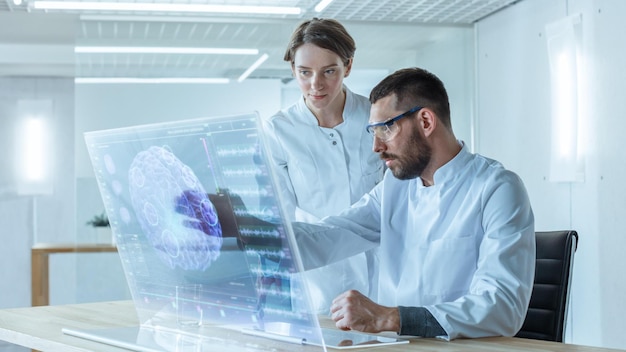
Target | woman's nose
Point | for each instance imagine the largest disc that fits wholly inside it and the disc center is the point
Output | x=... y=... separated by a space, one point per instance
x=317 y=82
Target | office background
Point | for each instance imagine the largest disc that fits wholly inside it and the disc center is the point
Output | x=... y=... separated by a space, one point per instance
x=498 y=75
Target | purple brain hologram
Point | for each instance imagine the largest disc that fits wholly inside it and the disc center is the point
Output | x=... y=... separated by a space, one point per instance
x=174 y=210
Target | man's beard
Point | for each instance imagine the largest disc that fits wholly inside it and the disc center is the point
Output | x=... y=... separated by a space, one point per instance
x=417 y=155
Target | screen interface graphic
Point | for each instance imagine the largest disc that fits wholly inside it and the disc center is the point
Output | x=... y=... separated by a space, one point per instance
x=198 y=225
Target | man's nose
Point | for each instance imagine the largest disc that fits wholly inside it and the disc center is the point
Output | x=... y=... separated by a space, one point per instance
x=379 y=145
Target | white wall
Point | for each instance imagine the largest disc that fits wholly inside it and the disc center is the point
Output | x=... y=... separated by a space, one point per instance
x=452 y=60
x=513 y=120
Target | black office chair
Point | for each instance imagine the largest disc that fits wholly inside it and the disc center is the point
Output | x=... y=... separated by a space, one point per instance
x=547 y=310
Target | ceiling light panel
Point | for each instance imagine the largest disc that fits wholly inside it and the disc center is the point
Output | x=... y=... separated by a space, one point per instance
x=163 y=7
x=252 y=8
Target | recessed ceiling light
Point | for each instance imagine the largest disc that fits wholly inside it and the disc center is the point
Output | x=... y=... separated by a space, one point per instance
x=163 y=7
x=17 y=2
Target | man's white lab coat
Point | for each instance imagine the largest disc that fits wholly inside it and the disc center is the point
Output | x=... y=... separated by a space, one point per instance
x=463 y=248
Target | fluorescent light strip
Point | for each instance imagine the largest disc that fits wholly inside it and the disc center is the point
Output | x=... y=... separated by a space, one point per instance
x=166 y=17
x=127 y=6
x=161 y=50
x=254 y=66
x=322 y=5
x=124 y=80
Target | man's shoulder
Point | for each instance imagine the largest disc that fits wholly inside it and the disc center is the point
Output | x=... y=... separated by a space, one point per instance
x=494 y=172
x=489 y=165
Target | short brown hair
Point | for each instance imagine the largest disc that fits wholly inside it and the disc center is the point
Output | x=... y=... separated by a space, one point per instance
x=415 y=86
x=325 y=33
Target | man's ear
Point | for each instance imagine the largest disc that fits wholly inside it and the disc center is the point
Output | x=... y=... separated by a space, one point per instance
x=428 y=121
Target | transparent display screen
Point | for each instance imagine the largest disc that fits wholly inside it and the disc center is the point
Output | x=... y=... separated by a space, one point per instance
x=198 y=224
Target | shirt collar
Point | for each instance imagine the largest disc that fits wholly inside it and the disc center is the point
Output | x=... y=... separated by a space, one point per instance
x=451 y=169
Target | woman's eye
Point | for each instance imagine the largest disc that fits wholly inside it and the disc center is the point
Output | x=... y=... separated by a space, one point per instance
x=330 y=72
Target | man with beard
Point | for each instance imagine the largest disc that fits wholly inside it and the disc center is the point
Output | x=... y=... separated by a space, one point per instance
x=455 y=230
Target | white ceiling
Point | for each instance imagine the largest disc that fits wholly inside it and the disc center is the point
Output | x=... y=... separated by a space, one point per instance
x=388 y=33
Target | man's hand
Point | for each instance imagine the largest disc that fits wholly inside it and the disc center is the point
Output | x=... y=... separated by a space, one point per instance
x=353 y=311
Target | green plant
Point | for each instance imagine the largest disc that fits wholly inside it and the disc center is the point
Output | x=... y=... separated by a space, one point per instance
x=99 y=220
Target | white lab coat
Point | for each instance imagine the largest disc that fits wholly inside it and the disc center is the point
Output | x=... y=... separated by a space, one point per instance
x=463 y=248
x=321 y=171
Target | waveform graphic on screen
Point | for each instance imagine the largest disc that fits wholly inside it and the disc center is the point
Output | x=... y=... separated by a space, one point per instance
x=190 y=237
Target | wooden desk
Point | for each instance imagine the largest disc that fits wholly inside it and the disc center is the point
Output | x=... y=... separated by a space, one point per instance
x=40 y=265
x=40 y=328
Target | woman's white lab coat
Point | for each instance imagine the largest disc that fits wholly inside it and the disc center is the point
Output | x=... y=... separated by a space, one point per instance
x=321 y=171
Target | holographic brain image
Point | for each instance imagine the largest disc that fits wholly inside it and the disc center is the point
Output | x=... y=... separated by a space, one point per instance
x=174 y=210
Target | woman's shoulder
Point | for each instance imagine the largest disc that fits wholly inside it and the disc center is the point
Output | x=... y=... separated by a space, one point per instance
x=292 y=114
x=285 y=115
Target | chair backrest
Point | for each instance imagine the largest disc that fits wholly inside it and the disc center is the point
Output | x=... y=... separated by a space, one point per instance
x=547 y=311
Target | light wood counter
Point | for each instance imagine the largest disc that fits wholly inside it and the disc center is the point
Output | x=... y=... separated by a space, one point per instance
x=40 y=328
